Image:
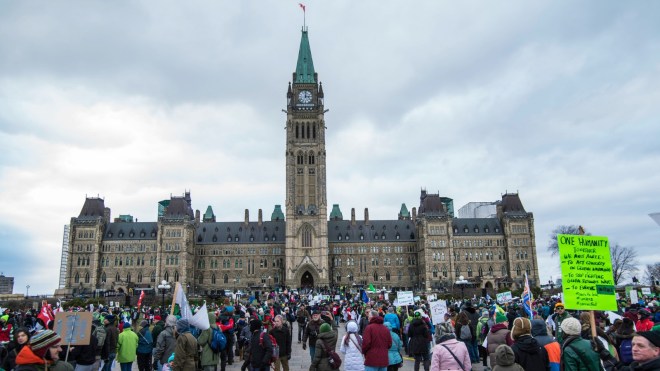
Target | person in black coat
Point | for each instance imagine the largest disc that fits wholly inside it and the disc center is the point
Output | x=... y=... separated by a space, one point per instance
x=529 y=353
x=420 y=336
x=261 y=351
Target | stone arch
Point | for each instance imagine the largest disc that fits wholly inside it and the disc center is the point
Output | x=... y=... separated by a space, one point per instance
x=302 y=270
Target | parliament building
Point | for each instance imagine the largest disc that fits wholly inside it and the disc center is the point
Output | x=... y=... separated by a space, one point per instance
x=490 y=244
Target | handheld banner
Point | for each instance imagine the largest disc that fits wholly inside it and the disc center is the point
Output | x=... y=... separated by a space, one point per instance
x=646 y=291
x=504 y=297
x=586 y=269
x=405 y=298
x=633 y=297
x=438 y=310
x=75 y=328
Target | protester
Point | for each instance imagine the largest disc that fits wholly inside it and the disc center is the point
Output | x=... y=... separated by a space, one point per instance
x=483 y=326
x=166 y=343
x=499 y=334
x=644 y=323
x=376 y=344
x=529 y=353
x=282 y=336
x=623 y=337
x=302 y=317
x=312 y=332
x=109 y=352
x=576 y=352
x=393 y=319
x=646 y=352
x=394 y=354
x=42 y=352
x=127 y=345
x=352 y=348
x=505 y=359
x=552 y=347
x=21 y=339
x=261 y=348
x=327 y=340
x=209 y=358
x=450 y=354
x=559 y=316
x=186 y=347
x=145 y=347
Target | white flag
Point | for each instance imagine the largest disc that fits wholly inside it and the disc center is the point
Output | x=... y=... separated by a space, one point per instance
x=199 y=320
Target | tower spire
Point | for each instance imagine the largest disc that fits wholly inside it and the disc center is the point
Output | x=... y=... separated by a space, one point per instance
x=305 y=65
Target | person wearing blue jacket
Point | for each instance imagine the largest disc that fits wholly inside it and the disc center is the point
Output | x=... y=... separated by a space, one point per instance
x=394 y=354
x=392 y=319
x=145 y=347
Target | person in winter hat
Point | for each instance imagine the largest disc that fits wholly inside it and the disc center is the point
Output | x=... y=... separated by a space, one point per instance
x=127 y=345
x=540 y=333
x=327 y=339
x=450 y=354
x=576 y=352
x=505 y=359
x=186 y=347
x=646 y=351
x=394 y=354
x=42 y=352
x=209 y=359
x=166 y=342
x=351 y=348
x=499 y=334
x=529 y=353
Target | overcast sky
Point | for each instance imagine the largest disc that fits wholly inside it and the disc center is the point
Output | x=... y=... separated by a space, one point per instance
x=133 y=101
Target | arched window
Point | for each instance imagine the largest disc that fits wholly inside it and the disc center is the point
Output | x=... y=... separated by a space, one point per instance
x=490 y=270
x=435 y=272
x=444 y=271
x=469 y=271
x=307 y=236
x=311 y=159
x=388 y=276
x=166 y=277
x=503 y=271
x=103 y=277
x=176 y=274
x=457 y=271
x=300 y=158
x=153 y=276
x=225 y=279
x=528 y=270
x=518 y=270
x=481 y=272
x=213 y=279
x=117 y=278
x=76 y=279
x=139 y=277
x=128 y=277
x=375 y=276
x=200 y=278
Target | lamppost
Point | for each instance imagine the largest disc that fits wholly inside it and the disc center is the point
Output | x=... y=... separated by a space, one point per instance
x=269 y=277
x=164 y=286
x=381 y=283
x=462 y=282
x=552 y=285
x=27 y=291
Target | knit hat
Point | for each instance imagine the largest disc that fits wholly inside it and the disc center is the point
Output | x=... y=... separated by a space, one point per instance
x=521 y=326
x=127 y=325
x=484 y=313
x=559 y=304
x=500 y=317
x=504 y=355
x=571 y=326
x=182 y=325
x=652 y=336
x=325 y=328
x=351 y=326
x=110 y=318
x=41 y=341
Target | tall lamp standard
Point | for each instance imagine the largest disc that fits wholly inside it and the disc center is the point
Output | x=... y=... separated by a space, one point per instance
x=164 y=286
x=462 y=282
x=27 y=291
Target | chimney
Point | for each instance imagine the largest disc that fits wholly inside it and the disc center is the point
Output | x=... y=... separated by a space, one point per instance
x=247 y=216
x=260 y=217
x=414 y=214
x=366 y=216
x=352 y=216
x=197 y=216
x=107 y=214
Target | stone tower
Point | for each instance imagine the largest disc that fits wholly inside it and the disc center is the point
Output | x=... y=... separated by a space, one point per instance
x=306 y=205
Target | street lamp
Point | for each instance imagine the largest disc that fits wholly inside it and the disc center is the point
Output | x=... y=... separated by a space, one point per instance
x=164 y=286
x=269 y=277
x=27 y=291
x=462 y=282
x=552 y=284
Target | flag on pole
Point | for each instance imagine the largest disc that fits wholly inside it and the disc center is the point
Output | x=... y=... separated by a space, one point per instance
x=200 y=319
x=46 y=313
x=365 y=298
x=140 y=299
x=527 y=298
x=302 y=6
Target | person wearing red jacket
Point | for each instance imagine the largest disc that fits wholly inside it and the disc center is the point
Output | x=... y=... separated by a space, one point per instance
x=226 y=325
x=376 y=343
x=644 y=323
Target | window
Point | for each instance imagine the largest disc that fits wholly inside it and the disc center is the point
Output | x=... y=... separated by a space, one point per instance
x=469 y=271
x=76 y=279
x=435 y=272
x=307 y=236
x=213 y=279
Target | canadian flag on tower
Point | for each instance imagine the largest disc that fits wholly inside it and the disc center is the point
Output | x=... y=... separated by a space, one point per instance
x=302 y=6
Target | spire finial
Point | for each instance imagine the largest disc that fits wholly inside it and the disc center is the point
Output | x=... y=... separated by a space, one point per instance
x=303 y=8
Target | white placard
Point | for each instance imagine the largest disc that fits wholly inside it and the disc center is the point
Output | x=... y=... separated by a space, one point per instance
x=417 y=299
x=430 y=297
x=112 y=304
x=504 y=297
x=438 y=310
x=646 y=291
x=633 y=297
x=405 y=298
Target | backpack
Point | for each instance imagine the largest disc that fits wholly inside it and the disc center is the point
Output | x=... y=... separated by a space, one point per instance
x=100 y=334
x=625 y=351
x=465 y=333
x=484 y=331
x=333 y=358
x=218 y=340
x=276 y=349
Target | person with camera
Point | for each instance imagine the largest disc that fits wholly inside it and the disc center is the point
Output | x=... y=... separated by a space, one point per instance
x=312 y=332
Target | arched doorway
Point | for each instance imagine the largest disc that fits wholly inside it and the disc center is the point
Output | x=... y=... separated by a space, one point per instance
x=307 y=280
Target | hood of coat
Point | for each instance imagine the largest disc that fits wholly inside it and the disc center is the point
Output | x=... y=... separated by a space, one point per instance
x=498 y=327
x=504 y=355
x=376 y=319
x=330 y=338
x=528 y=344
x=417 y=322
x=539 y=328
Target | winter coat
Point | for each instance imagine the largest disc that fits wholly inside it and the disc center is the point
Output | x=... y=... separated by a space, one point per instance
x=394 y=354
x=208 y=357
x=320 y=361
x=376 y=343
x=558 y=320
x=443 y=360
x=185 y=353
x=85 y=355
x=311 y=332
x=165 y=345
x=652 y=365
x=127 y=346
x=420 y=336
x=530 y=354
x=506 y=360
x=474 y=316
x=27 y=360
x=158 y=327
x=260 y=353
x=353 y=359
x=13 y=348
x=498 y=335
x=110 y=344
x=552 y=347
x=283 y=339
x=393 y=319
x=644 y=325
x=576 y=354
x=145 y=342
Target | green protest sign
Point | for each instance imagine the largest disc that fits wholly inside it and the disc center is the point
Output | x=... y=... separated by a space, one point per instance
x=586 y=268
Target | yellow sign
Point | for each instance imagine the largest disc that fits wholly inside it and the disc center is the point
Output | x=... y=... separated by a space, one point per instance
x=586 y=267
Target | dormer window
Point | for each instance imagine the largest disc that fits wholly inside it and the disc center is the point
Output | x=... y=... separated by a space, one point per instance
x=110 y=234
x=228 y=238
x=497 y=230
x=476 y=229
x=347 y=237
x=466 y=230
x=486 y=230
x=265 y=238
x=339 y=237
x=455 y=230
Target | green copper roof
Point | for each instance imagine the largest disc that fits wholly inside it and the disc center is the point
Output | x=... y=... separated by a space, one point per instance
x=277 y=214
x=335 y=214
x=126 y=218
x=305 y=65
x=208 y=215
x=404 y=211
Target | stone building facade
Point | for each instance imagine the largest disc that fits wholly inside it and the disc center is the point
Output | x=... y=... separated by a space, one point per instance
x=302 y=246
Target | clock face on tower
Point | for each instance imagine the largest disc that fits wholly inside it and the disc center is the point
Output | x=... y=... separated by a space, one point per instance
x=305 y=96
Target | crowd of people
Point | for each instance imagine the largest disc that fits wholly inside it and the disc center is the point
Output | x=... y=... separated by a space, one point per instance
x=379 y=336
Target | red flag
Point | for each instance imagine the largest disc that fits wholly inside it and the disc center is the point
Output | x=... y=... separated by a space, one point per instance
x=46 y=313
x=140 y=299
x=302 y=6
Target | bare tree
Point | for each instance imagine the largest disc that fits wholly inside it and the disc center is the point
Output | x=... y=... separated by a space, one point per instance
x=652 y=270
x=624 y=262
x=553 y=247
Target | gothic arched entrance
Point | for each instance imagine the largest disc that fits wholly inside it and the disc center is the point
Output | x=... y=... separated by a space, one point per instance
x=307 y=280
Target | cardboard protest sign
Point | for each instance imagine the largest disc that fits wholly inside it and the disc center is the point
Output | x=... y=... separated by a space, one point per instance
x=646 y=290
x=504 y=297
x=405 y=298
x=75 y=328
x=586 y=268
x=438 y=310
